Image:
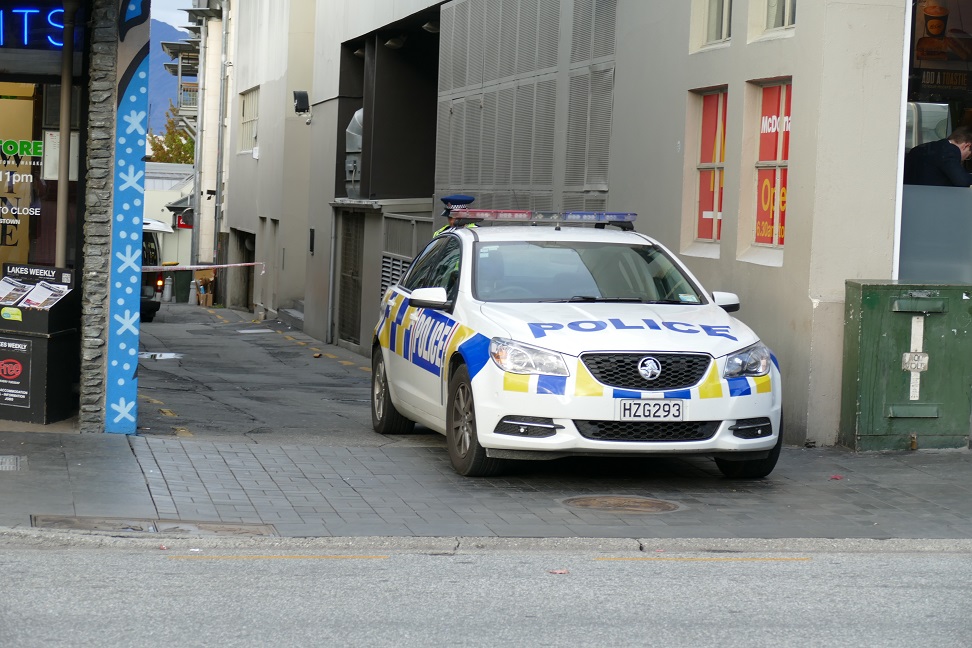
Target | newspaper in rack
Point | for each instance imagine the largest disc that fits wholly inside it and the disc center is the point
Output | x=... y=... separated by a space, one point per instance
x=11 y=291
x=44 y=295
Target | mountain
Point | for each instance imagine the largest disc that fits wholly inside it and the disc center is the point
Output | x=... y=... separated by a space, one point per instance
x=163 y=86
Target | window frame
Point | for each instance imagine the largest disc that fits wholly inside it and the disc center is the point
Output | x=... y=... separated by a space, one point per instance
x=249 y=102
x=724 y=9
x=788 y=18
x=717 y=166
x=779 y=167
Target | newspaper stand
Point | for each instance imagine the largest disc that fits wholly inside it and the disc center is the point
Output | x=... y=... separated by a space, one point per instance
x=39 y=343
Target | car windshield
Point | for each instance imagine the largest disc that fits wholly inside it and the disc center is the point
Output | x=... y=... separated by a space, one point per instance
x=580 y=272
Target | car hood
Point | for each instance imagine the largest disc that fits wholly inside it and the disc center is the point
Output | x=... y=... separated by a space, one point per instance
x=575 y=328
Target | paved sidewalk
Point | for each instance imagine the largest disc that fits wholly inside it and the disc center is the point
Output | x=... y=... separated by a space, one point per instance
x=311 y=491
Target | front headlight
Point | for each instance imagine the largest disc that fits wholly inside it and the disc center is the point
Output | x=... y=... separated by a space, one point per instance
x=517 y=358
x=751 y=361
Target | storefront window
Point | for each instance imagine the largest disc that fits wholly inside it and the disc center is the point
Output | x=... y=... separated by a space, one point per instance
x=29 y=154
x=771 y=165
x=711 y=167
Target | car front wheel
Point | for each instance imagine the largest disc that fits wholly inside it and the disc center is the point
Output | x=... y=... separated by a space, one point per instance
x=384 y=417
x=467 y=456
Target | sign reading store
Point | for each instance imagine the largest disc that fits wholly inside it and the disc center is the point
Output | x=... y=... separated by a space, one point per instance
x=32 y=25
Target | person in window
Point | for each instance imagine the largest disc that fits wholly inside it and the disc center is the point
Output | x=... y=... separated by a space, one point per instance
x=939 y=163
x=453 y=204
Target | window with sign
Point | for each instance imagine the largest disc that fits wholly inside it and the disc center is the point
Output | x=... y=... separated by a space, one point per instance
x=711 y=167
x=718 y=21
x=780 y=14
x=771 y=165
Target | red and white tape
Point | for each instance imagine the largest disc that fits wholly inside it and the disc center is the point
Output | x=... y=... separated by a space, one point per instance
x=175 y=268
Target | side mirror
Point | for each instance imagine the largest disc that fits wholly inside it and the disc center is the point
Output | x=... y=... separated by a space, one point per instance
x=728 y=301
x=435 y=298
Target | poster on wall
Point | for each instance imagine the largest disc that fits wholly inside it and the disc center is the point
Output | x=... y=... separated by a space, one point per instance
x=942 y=45
x=20 y=182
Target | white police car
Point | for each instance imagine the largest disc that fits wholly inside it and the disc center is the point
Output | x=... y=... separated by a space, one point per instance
x=553 y=340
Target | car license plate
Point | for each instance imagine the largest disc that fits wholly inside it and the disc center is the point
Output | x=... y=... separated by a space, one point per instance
x=667 y=409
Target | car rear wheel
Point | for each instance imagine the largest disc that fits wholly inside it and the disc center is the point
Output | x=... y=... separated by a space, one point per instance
x=384 y=417
x=467 y=456
x=753 y=468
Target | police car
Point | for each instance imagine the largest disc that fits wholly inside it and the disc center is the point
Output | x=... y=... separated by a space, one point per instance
x=521 y=342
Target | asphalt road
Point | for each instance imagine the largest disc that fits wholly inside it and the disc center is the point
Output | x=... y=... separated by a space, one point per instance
x=383 y=596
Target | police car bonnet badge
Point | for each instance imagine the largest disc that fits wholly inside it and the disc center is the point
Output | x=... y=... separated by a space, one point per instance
x=649 y=368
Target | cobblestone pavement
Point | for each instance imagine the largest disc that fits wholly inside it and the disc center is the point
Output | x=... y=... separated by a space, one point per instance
x=255 y=428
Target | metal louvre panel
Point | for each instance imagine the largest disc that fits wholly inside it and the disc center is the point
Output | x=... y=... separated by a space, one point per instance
x=460 y=45
x=398 y=237
x=648 y=430
x=474 y=60
x=392 y=269
x=485 y=200
x=491 y=42
x=446 y=20
x=580 y=46
x=523 y=135
x=580 y=90
x=487 y=167
x=472 y=141
x=548 y=40
x=573 y=201
x=457 y=134
x=605 y=24
x=503 y=200
x=504 y=136
x=352 y=251
x=599 y=137
x=543 y=201
x=544 y=133
x=678 y=370
x=443 y=142
x=507 y=54
x=595 y=203
x=526 y=47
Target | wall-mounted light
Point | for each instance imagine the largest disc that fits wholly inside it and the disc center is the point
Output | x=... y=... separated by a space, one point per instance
x=360 y=52
x=396 y=42
x=432 y=26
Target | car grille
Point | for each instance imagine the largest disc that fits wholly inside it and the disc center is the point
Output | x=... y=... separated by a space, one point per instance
x=678 y=370
x=647 y=431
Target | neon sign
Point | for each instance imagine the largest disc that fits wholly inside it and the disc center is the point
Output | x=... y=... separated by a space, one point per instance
x=32 y=27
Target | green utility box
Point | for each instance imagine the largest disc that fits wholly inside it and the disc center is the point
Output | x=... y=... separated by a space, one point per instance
x=907 y=374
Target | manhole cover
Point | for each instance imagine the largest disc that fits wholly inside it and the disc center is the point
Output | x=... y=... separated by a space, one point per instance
x=626 y=503
x=13 y=462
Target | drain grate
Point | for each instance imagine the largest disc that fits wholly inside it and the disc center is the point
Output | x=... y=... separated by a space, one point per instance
x=13 y=462
x=130 y=525
x=623 y=503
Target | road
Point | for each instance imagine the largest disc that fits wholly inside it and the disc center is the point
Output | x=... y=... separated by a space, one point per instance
x=380 y=596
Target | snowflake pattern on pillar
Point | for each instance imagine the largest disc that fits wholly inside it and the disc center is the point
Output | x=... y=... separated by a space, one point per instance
x=125 y=282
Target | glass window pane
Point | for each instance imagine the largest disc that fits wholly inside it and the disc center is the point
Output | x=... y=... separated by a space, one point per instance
x=714 y=20
x=774 y=13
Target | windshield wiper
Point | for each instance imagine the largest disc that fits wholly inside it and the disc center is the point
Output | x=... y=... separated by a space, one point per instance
x=589 y=299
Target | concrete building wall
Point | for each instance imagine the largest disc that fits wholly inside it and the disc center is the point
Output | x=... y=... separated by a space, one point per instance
x=270 y=180
x=207 y=138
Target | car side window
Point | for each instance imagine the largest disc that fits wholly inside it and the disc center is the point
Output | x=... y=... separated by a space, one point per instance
x=423 y=264
x=445 y=273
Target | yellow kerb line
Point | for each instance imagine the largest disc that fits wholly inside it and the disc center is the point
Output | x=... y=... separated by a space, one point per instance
x=276 y=557
x=661 y=559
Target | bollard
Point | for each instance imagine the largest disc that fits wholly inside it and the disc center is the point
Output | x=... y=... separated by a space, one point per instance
x=167 y=289
x=193 y=297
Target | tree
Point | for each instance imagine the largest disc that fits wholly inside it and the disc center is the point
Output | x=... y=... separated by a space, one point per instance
x=173 y=145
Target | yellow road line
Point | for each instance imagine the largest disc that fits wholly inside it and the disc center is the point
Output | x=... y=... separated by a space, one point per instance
x=314 y=349
x=346 y=362
x=368 y=369
x=301 y=343
x=183 y=432
x=149 y=399
x=167 y=412
x=277 y=557
x=288 y=337
x=661 y=559
x=330 y=355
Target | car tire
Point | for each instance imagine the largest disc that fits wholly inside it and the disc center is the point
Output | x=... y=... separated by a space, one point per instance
x=468 y=457
x=753 y=468
x=384 y=417
x=148 y=317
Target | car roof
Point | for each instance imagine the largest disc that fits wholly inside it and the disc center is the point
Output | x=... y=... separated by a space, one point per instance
x=502 y=233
